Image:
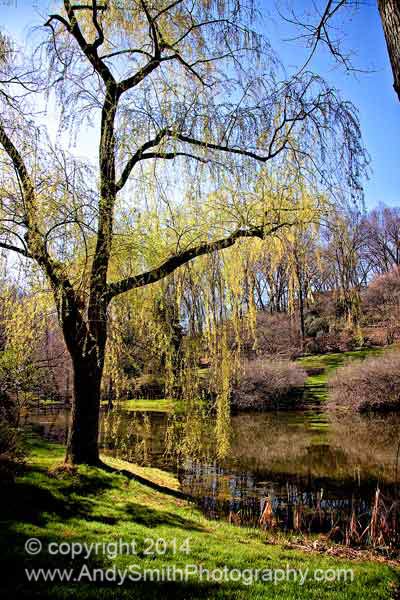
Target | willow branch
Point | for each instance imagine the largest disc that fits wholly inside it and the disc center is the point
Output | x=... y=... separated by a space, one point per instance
x=172 y=263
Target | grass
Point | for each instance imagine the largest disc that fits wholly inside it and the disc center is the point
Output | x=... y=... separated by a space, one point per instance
x=159 y=405
x=147 y=405
x=316 y=384
x=96 y=506
x=335 y=359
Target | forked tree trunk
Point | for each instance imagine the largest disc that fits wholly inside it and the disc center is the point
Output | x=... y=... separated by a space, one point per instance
x=82 y=446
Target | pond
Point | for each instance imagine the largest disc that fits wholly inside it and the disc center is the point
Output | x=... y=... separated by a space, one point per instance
x=288 y=469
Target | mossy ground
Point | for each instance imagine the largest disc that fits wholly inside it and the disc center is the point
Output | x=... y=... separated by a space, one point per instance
x=95 y=506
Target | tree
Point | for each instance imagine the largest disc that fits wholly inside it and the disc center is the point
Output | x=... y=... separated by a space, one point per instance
x=344 y=236
x=27 y=360
x=301 y=249
x=166 y=82
x=390 y=16
x=381 y=234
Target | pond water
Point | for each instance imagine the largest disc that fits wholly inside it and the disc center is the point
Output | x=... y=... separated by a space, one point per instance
x=301 y=469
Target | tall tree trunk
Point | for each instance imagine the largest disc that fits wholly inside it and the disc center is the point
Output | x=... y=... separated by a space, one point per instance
x=88 y=357
x=300 y=281
x=86 y=342
x=82 y=446
x=390 y=16
x=301 y=311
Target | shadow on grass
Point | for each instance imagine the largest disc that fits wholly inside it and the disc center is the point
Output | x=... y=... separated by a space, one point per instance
x=34 y=500
x=149 y=517
x=53 y=502
x=90 y=578
x=45 y=498
x=147 y=482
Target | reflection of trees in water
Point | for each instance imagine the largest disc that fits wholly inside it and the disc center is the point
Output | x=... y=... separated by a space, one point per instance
x=271 y=452
x=287 y=444
x=192 y=435
x=370 y=443
x=51 y=424
x=346 y=448
x=313 y=472
x=243 y=499
x=133 y=436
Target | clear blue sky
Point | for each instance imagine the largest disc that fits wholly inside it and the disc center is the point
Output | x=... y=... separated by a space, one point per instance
x=372 y=93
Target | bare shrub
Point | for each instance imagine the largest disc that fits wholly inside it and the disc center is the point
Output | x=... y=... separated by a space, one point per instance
x=277 y=334
x=369 y=385
x=381 y=304
x=375 y=336
x=383 y=292
x=264 y=384
x=334 y=341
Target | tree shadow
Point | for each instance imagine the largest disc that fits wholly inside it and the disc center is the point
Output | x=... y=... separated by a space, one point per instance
x=141 y=590
x=150 y=517
x=33 y=502
x=41 y=505
x=147 y=482
x=74 y=497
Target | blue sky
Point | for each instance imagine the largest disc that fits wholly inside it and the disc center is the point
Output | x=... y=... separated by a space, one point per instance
x=372 y=93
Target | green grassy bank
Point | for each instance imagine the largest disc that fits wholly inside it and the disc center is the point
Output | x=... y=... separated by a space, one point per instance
x=94 y=506
x=325 y=364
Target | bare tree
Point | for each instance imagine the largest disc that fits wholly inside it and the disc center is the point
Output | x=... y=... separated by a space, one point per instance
x=345 y=239
x=381 y=235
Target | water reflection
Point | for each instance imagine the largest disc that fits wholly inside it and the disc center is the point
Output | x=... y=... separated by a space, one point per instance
x=294 y=468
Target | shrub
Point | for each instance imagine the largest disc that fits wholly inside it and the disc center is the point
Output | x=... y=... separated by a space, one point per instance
x=264 y=384
x=316 y=325
x=12 y=452
x=383 y=293
x=277 y=334
x=381 y=304
x=369 y=385
x=335 y=341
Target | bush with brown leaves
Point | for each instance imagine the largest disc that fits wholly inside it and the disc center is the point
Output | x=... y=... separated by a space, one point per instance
x=369 y=385
x=267 y=384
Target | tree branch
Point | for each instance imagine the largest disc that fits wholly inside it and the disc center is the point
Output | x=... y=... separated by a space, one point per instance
x=36 y=247
x=17 y=249
x=135 y=158
x=89 y=50
x=141 y=154
x=172 y=263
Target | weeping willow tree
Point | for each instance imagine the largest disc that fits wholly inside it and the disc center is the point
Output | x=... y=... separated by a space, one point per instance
x=211 y=301
x=181 y=98
x=26 y=361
